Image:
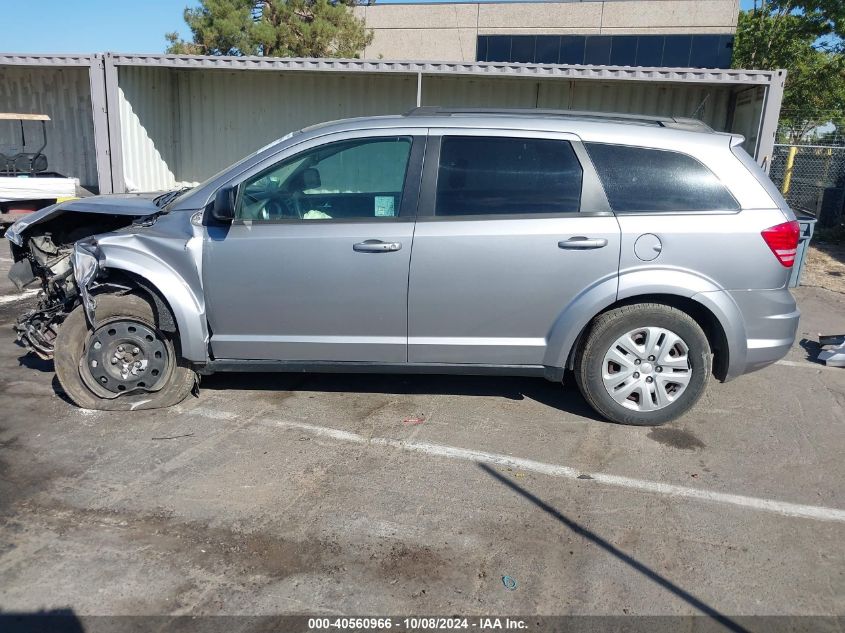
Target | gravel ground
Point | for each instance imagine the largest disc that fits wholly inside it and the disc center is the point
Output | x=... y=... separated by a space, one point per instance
x=825 y=267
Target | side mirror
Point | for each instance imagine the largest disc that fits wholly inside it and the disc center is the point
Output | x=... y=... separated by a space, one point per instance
x=224 y=204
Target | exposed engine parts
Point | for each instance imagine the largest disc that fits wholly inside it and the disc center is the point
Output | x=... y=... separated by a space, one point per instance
x=46 y=257
x=50 y=263
x=36 y=330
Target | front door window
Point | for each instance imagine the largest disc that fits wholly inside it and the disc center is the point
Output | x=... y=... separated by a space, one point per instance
x=356 y=179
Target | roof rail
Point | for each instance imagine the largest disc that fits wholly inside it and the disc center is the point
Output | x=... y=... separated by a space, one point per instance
x=681 y=123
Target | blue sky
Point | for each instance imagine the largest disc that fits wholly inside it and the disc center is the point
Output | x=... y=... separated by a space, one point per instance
x=94 y=26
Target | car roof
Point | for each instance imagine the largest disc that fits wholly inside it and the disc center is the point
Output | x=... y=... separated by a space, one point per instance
x=635 y=129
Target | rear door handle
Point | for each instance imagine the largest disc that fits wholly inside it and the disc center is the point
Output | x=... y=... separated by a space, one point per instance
x=582 y=243
x=376 y=246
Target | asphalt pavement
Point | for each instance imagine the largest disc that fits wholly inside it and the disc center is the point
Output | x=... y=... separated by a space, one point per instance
x=370 y=494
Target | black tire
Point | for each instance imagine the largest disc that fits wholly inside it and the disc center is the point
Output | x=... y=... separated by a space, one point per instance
x=172 y=386
x=608 y=327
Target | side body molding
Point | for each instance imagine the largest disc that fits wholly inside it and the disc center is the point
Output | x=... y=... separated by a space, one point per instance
x=168 y=264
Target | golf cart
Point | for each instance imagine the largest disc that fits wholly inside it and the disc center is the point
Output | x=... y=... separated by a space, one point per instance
x=25 y=183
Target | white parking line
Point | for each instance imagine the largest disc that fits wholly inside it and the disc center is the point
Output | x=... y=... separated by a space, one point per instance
x=783 y=508
x=803 y=365
x=26 y=294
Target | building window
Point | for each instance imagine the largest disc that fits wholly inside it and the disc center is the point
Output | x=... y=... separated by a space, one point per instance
x=695 y=51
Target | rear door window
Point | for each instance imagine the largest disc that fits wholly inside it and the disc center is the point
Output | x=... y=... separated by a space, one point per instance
x=642 y=180
x=480 y=175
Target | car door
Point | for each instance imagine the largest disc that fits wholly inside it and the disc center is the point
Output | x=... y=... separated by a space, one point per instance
x=512 y=227
x=315 y=265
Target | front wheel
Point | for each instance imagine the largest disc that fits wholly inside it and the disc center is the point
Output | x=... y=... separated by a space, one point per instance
x=125 y=363
x=643 y=364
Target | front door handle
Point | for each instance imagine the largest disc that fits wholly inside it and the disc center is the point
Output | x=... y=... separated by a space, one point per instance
x=582 y=243
x=376 y=246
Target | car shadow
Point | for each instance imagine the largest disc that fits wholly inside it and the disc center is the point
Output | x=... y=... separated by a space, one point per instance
x=50 y=621
x=811 y=349
x=60 y=393
x=31 y=361
x=595 y=539
x=565 y=398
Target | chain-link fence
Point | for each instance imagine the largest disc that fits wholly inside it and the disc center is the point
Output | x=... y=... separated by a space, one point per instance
x=812 y=179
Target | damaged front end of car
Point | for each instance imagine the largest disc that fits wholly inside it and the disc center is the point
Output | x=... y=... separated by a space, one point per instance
x=54 y=247
x=41 y=260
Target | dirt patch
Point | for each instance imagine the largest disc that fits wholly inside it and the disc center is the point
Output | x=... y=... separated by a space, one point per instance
x=676 y=438
x=825 y=267
x=8 y=443
x=214 y=548
x=244 y=557
x=23 y=475
x=412 y=561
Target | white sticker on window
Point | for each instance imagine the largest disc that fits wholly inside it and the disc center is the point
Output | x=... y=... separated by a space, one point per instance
x=384 y=206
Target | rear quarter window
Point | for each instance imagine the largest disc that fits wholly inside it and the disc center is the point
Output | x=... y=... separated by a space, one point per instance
x=642 y=180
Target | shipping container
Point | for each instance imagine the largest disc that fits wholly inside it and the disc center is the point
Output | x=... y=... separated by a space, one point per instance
x=60 y=87
x=151 y=122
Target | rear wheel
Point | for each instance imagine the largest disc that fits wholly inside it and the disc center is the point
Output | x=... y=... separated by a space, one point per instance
x=644 y=364
x=125 y=363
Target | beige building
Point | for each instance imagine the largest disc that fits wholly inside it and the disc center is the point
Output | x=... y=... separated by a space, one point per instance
x=695 y=33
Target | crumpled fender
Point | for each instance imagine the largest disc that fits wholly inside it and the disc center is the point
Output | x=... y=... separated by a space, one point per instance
x=169 y=265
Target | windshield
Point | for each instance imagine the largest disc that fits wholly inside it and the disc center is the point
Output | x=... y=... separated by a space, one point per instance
x=234 y=166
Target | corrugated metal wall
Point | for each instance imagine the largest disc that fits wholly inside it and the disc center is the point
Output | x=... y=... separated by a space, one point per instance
x=469 y=92
x=65 y=95
x=182 y=126
x=710 y=103
x=146 y=98
x=747 y=113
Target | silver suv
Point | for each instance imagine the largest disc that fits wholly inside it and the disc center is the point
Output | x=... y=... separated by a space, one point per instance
x=640 y=253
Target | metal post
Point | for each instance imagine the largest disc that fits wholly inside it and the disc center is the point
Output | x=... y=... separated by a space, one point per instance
x=115 y=136
x=99 y=109
x=769 y=119
x=787 y=173
x=419 y=89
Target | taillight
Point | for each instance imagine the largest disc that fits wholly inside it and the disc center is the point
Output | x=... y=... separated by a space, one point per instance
x=783 y=240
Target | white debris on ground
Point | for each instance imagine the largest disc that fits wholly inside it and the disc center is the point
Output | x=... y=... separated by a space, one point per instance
x=834 y=356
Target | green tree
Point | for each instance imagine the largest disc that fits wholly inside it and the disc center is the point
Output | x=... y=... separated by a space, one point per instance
x=277 y=28
x=806 y=38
